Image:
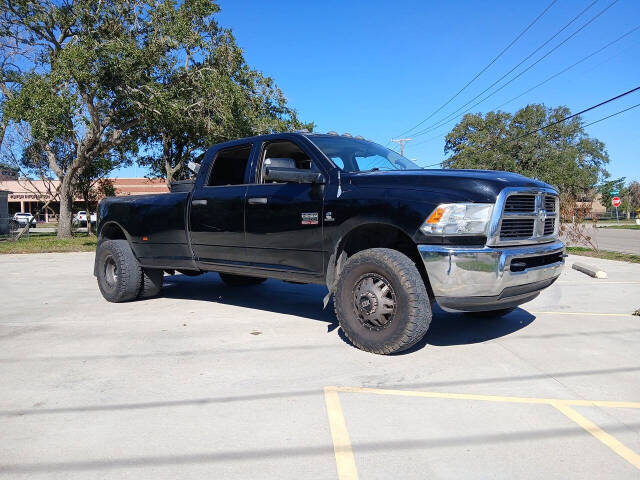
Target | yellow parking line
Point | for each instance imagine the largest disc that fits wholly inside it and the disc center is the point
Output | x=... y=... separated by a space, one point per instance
x=488 y=398
x=585 y=313
x=614 y=444
x=345 y=462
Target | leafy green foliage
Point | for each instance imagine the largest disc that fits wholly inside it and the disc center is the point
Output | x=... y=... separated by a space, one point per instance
x=562 y=155
x=634 y=196
x=92 y=82
x=606 y=187
x=206 y=95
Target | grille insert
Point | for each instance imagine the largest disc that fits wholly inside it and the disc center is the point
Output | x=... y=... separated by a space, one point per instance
x=549 y=226
x=520 y=264
x=516 y=228
x=550 y=203
x=520 y=203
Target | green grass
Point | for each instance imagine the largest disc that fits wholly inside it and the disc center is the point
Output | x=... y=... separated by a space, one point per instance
x=623 y=227
x=588 y=252
x=45 y=243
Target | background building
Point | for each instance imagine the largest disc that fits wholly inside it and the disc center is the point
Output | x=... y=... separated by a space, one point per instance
x=31 y=195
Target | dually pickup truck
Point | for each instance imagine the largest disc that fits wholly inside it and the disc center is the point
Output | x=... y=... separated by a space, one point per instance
x=388 y=238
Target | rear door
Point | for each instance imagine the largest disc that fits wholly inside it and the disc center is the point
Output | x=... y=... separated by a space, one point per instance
x=284 y=220
x=217 y=210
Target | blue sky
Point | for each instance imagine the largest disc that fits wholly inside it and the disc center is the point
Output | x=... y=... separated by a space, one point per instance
x=377 y=68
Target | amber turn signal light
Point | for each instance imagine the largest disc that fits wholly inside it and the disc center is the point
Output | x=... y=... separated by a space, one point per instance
x=436 y=215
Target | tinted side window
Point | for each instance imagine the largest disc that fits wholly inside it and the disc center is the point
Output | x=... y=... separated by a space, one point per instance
x=229 y=166
x=285 y=154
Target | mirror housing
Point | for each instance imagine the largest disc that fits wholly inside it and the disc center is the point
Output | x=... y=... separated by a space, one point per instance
x=292 y=175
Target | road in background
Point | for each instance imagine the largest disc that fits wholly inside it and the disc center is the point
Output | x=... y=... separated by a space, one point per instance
x=615 y=239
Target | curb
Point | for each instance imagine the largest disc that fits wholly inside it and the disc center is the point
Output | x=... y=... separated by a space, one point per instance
x=589 y=270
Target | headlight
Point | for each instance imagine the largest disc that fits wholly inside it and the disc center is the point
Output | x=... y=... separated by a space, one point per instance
x=458 y=219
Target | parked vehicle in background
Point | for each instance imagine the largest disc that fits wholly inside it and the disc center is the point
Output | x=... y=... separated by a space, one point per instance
x=386 y=237
x=23 y=218
x=80 y=218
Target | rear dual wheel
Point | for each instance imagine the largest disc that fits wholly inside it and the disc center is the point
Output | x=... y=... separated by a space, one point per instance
x=120 y=276
x=381 y=301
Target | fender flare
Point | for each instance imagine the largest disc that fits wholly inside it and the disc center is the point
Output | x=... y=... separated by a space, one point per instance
x=338 y=257
x=101 y=239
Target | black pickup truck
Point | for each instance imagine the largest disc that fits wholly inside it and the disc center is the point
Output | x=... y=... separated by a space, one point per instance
x=386 y=237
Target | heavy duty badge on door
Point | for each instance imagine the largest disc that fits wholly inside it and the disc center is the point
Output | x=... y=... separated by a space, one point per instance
x=309 y=218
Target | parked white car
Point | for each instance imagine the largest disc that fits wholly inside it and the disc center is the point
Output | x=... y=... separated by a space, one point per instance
x=81 y=217
x=24 y=218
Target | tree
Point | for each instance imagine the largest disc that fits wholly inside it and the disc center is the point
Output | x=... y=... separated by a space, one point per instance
x=606 y=187
x=94 y=79
x=74 y=58
x=562 y=155
x=92 y=184
x=207 y=96
x=634 y=196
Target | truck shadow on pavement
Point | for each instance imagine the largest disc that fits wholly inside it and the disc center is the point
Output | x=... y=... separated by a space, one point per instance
x=446 y=328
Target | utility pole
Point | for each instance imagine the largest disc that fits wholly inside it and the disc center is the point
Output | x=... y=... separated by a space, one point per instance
x=401 y=141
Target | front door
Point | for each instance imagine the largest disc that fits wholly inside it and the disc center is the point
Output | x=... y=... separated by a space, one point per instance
x=217 y=210
x=284 y=220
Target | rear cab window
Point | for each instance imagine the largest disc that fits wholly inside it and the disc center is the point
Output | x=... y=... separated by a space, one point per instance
x=230 y=166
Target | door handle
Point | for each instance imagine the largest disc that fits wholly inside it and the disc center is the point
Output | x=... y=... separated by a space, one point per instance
x=198 y=202
x=258 y=201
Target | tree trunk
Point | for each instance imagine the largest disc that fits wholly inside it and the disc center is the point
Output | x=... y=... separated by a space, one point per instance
x=66 y=209
x=86 y=209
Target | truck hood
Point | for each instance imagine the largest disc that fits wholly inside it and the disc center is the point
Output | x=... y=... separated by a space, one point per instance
x=465 y=185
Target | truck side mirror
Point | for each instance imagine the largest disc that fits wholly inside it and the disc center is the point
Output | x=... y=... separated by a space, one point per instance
x=292 y=175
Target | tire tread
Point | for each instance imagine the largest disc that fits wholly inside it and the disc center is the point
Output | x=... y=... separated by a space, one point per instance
x=411 y=281
x=129 y=271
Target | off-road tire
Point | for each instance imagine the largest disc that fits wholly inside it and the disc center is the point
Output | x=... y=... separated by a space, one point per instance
x=412 y=314
x=501 y=312
x=125 y=284
x=234 y=280
x=151 y=282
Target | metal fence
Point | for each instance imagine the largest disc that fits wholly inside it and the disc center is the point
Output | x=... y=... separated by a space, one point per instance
x=11 y=229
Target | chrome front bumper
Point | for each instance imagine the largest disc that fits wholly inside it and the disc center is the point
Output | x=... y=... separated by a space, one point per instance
x=481 y=278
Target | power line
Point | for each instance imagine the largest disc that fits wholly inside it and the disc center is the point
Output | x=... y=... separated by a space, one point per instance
x=535 y=20
x=455 y=114
x=571 y=66
x=612 y=115
x=628 y=92
x=569 y=117
x=550 y=78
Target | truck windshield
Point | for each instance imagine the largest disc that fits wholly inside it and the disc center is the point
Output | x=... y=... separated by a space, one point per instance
x=355 y=155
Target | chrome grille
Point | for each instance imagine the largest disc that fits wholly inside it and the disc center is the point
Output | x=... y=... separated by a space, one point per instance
x=524 y=216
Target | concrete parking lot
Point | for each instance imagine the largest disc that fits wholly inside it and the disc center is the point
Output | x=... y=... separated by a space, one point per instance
x=209 y=381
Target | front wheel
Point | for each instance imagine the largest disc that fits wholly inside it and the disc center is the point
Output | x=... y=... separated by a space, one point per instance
x=381 y=301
